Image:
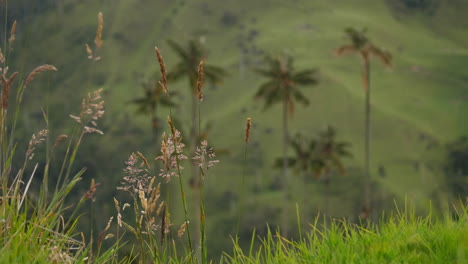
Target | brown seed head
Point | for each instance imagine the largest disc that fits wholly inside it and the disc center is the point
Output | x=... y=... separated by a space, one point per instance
x=163 y=81
x=98 y=40
x=89 y=51
x=200 y=81
x=247 y=129
x=12 y=34
x=171 y=125
x=182 y=228
x=91 y=191
x=2 y=58
x=37 y=71
x=143 y=158
x=160 y=208
x=6 y=84
x=60 y=139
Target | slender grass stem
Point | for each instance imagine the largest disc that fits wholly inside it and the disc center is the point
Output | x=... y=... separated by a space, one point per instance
x=202 y=206
x=244 y=172
x=182 y=194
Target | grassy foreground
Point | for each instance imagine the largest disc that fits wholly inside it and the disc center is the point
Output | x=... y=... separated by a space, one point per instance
x=400 y=239
x=403 y=238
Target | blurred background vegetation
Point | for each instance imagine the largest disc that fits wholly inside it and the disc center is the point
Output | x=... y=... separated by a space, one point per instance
x=419 y=128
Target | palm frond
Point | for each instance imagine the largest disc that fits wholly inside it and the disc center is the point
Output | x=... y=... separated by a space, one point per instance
x=358 y=38
x=282 y=83
x=300 y=97
x=336 y=162
x=306 y=77
x=266 y=89
x=345 y=50
x=384 y=56
x=179 y=50
x=265 y=72
x=214 y=74
x=178 y=72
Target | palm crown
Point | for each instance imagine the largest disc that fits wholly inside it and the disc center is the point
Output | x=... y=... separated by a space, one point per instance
x=283 y=83
x=362 y=45
x=318 y=156
x=188 y=65
x=153 y=97
x=328 y=153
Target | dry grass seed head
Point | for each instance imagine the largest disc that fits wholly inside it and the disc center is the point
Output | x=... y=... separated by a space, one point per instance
x=37 y=71
x=204 y=157
x=136 y=176
x=158 y=212
x=12 y=34
x=56 y=255
x=98 y=40
x=200 y=81
x=171 y=151
x=171 y=125
x=144 y=161
x=182 y=228
x=6 y=84
x=91 y=191
x=247 y=129
x=59 y=139
x=89 y=51
x=36 y=139
x=143 y=200
x=119 y=216
x=162 y=66
x=92 y=109
x=2 y=58
x=101 y=235
x=154 y=197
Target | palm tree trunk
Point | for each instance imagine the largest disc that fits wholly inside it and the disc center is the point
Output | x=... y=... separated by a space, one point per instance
x=284 y=227
x=366 y=83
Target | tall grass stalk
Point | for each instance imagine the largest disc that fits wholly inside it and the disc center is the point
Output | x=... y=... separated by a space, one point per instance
x=182 y=193
x=244 y=172
x=200 y=173
x=163 y=83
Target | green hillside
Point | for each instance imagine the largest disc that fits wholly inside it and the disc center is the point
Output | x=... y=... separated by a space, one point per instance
x=417 y=106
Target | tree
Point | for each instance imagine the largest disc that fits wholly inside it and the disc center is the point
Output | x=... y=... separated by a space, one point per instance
x=282 y=87
x=148 y=104
x=327 y=156
x=363 y=47
x=319 y=157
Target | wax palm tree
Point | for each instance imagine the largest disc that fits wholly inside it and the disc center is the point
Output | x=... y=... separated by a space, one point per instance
x=326 y=157
x=302 y=159
x=153 y=97
x=363 y=47
x=282 y=87
x=318 y=157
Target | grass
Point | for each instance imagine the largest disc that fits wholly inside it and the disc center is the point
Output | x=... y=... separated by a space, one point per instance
x=401 y=238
